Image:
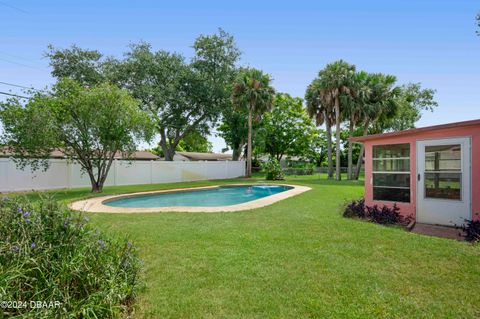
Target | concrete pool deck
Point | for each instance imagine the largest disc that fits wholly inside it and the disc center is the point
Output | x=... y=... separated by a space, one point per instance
x=96 y=204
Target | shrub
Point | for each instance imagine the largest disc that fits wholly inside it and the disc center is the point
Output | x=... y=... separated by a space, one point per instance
x=356 y=209
x=48 y=253
x=272 y=169
x=471 y=230
x=384 y=215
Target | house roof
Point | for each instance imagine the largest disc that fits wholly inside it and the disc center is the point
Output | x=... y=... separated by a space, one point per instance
x=6 y=151
x=415 y=131
x=197 y=156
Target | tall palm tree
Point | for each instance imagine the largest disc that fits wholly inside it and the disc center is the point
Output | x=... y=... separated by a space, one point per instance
x=353 y=111
x=252 y=91
x=322 y=113
x=379 y=102
x=335 y=82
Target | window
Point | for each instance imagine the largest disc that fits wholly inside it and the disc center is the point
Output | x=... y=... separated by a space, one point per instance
x=391 y=172
x=443 y=171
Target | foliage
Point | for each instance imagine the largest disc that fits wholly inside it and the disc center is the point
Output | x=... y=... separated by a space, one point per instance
x=84 y=66
x=194 y=142
x=287 y=128
x=336 y=82
x=471 y=230
x=412 y=100
x=252 y=93
x=234 y=130
x=384 y=215
x=323 y=114
x=90 y=125
x=356 y=208
x=272 y=169
x=181 y=97
x=49 y=254
x=477 y=17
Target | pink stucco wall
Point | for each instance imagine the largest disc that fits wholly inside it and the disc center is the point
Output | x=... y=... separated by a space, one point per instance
x=407 y=209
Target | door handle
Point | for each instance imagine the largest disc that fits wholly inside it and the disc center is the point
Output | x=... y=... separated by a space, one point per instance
x=418 y=176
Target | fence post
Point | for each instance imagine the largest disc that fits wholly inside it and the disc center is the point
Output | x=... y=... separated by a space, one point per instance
x=115 y=172
x=69 y=173
x=151 y=171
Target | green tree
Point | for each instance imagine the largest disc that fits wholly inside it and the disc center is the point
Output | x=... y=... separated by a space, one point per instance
x=335 y=82
x=195 y=142
x=287 y=128
x=252 y=92
x=322 y=113
x=412 y=101
x=234 y=130
x=181 y=97
x=378 y=104
x=84 y=66
x=318 y=148
x=90 y=125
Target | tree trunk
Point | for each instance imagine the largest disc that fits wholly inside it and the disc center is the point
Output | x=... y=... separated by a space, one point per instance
x=249 y=144
x=237 y=152
x=337 y=140
x=329 y=149
x=97 y=187
x=350 y=150
x=362 y=150
x=168 y=153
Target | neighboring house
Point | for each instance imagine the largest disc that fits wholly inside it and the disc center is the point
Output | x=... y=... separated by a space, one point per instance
x=197 y=156
x=58 y=154
x=431 y=173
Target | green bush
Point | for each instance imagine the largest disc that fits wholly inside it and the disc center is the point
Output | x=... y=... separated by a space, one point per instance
x=50 y=254
x=272 y=169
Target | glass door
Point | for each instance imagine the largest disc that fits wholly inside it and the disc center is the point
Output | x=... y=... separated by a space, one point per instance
x=443 y=181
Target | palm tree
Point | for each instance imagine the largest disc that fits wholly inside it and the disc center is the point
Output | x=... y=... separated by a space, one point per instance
x=322 y=114
x=353 y=111
x=335 y=81
x=252 y=91
x=378 y=103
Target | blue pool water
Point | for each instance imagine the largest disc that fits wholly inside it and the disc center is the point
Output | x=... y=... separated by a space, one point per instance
x=221 y=196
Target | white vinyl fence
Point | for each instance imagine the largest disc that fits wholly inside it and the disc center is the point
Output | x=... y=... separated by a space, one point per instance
x=65 y=174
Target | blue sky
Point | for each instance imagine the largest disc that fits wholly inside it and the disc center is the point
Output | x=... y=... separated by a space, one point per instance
x=432 y=42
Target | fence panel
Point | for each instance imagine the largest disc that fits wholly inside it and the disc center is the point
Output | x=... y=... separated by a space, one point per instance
x=65 y=174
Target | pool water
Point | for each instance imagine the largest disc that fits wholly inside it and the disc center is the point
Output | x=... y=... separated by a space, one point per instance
x=220 y=196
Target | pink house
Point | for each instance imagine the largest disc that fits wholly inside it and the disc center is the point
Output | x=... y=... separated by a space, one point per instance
x=431 y=173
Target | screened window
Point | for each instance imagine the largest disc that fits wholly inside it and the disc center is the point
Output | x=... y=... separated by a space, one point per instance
x=391 y=172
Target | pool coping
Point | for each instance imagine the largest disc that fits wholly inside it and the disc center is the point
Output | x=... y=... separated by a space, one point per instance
x=96 y=204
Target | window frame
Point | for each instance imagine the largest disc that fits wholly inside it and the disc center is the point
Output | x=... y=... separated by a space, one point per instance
x=408 y=172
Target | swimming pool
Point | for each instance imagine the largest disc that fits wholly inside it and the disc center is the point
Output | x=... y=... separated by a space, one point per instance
x=207 y=199
x=214 y=197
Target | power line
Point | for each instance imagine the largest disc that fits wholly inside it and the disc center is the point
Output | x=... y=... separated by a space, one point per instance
x=21 y=64
x=16 y=95
x=21 y=86
x=17 y=56
x=13 y=7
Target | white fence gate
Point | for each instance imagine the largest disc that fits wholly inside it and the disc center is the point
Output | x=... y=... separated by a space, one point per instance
x=65 y=174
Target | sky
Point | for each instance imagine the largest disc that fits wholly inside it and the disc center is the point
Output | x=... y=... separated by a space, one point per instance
x=426 y=41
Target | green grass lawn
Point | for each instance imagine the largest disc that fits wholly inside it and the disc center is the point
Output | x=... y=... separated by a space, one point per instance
x=294 y=259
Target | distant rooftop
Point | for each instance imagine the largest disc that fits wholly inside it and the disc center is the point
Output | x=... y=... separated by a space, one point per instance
x=197 y=156
x=6 y=151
